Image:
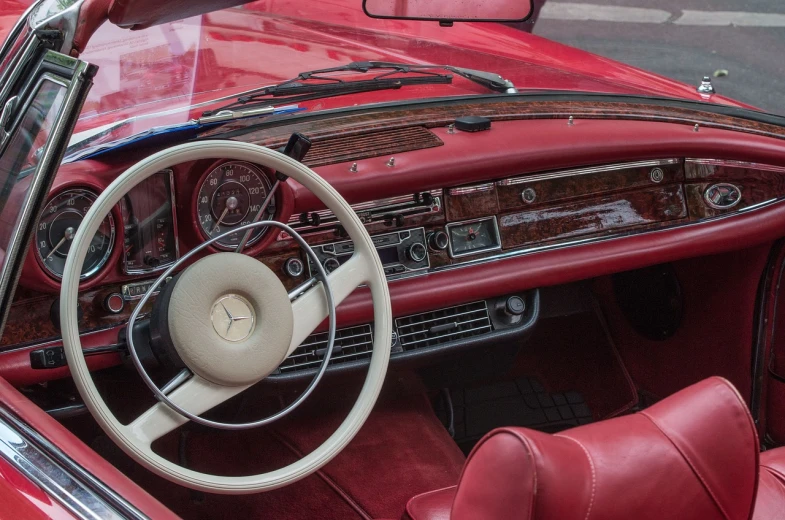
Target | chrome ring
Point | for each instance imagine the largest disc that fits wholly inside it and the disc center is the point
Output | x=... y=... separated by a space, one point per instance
x=322 y=274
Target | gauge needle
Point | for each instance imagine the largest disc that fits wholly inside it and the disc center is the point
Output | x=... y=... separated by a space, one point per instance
x=231 y=203
x=68 y=235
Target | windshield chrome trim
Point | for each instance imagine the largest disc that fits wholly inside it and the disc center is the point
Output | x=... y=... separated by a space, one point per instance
x=58 y=475
x=584 y=171
x=22 y=22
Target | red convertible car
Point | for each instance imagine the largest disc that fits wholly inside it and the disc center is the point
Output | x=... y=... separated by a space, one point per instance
x=378 y=259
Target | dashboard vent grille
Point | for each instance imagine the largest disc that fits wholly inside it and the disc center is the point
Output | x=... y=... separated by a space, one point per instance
x=442 y=326
x=370 y=144
x=350 y=344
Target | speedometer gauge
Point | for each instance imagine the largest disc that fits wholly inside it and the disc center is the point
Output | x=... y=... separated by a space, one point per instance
x=57 y=227
x=230 y=196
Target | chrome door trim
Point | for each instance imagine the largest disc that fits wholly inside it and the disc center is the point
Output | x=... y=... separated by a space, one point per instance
x=58 y=475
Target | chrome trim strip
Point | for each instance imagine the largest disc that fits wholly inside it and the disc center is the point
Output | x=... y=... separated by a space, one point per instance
x=736 y=164
x=584 y=171
x=59 y=476
x=465 y=190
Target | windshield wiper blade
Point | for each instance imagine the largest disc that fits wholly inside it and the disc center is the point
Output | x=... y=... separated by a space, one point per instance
x=298 y=89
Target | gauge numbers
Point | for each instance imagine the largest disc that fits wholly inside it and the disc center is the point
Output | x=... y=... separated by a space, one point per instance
x=469 y=238
x=230 y=196
x=57 y=227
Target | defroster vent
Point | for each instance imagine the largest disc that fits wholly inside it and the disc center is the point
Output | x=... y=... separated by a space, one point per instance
x=442 y=326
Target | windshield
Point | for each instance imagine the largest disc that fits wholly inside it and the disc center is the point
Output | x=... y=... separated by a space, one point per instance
x=171 y=73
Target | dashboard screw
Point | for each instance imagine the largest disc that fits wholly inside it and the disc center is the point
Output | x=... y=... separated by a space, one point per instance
x=696 y=128
x=451 y=128
x=528 y=195
x=571 y=121
x=353 y=168
x=656 y=175
x=391 y=162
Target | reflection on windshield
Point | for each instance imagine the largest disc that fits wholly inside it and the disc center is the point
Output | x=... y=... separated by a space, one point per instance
x=20 y=157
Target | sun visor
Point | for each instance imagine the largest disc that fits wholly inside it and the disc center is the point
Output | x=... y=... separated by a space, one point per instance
x=139 y=14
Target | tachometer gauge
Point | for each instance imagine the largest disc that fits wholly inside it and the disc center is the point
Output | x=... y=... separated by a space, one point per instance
x=230 y=196
x=57 y=227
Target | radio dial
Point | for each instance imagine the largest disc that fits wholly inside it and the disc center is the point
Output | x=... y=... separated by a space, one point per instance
x=331 y=264
x=417 y=252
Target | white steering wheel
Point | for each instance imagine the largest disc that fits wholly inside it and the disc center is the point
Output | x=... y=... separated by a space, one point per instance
x=221 y=365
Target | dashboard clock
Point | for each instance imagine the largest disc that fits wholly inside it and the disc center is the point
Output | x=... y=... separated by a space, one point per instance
x=473 y=237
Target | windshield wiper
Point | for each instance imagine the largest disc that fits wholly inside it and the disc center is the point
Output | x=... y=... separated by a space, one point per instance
x=298 y=89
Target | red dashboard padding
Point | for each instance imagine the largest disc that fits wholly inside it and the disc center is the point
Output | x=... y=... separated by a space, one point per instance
x=692 y=455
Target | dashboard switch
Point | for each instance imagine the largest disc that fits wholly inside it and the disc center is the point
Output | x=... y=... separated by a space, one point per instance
x=52 y=357
x=294 y=267
x=114 y=303
x=515 y=306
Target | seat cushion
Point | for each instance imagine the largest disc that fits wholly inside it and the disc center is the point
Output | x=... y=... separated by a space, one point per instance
x=692 y=455
x=434 y=505
x=770 y=501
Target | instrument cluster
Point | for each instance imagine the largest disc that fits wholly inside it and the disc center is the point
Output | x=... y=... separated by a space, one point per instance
x=141 y=236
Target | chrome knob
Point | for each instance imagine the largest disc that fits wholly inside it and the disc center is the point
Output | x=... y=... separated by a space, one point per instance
x=331 y=264
x=417 y=252
x=438 y=241
x=294 y=267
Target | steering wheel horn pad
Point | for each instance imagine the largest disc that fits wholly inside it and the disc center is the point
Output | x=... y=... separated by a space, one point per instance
x=209 y=304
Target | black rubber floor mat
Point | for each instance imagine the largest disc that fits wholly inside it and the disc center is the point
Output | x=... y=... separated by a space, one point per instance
x=523 y=402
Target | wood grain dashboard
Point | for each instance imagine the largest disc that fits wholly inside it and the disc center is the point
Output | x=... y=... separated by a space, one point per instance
x=533 y=212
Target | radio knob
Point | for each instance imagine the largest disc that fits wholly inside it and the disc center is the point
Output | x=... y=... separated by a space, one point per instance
x=294 y=267
x=438 y=241
x=331 y=264
x=417 y=252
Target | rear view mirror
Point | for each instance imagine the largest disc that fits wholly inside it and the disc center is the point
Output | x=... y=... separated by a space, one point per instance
x=447 y=11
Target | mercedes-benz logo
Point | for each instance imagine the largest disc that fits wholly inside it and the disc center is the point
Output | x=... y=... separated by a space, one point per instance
x=233 y=317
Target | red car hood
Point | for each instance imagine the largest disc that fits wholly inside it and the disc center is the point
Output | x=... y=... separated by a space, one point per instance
x=206 y=57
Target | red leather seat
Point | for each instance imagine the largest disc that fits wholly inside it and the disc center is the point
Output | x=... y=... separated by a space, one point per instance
x=692 y=455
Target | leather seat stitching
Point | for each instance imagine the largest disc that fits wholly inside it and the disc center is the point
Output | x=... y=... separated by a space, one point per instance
x=593 y=472
x=690 y=464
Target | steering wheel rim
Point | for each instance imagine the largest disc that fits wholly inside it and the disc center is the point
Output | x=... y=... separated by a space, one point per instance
x=364 y=267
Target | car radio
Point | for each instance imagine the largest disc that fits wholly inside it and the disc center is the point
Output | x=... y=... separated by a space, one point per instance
x=401 y=252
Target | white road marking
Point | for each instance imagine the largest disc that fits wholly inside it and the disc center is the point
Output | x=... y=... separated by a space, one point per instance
x=608 y=13
x=602 y=13
x=731 y=18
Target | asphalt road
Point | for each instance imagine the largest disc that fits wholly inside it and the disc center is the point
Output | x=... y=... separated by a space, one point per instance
x=684 y=40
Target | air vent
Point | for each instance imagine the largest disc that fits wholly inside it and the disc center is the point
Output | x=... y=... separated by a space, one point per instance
x=442 y=326
x=350 y=344
x=370 y=144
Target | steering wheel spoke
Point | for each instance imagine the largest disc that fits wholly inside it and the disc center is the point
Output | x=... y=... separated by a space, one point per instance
x=196 y=395
x=310 y=309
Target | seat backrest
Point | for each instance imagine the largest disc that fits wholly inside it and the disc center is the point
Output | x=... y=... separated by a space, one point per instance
x=692 y=455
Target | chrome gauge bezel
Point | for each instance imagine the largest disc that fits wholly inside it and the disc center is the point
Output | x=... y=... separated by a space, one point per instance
x=269 y=213
x=112 y=234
